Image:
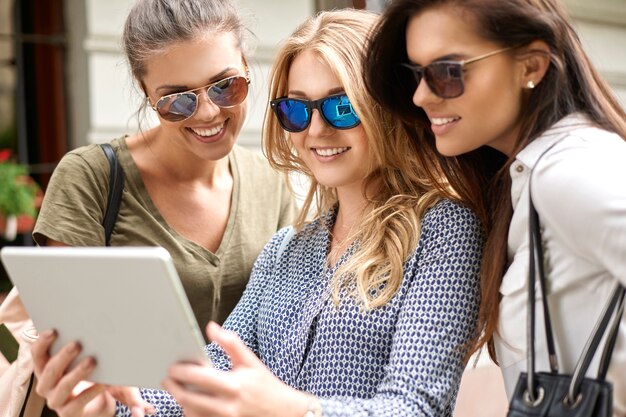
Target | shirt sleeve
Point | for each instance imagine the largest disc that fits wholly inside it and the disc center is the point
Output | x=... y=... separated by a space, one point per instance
x=243 y=321
x=75 y=200
x=580 y=194
x=435 y=324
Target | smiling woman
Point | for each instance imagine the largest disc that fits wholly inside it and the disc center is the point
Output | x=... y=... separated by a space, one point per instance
x=529 y=92
x=188 y=186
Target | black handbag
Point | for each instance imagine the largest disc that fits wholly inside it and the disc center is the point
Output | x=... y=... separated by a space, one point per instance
x=553 y=394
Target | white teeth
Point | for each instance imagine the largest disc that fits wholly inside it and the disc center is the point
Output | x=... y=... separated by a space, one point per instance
x=330 y=151
x=443 y=120
x=208 y=132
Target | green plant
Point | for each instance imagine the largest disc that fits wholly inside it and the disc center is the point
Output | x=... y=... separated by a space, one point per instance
x=17 y=190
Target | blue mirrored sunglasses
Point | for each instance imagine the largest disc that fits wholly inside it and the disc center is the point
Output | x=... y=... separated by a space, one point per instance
x=294 y=114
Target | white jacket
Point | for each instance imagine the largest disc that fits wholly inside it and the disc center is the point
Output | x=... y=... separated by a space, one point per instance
x=579 y=191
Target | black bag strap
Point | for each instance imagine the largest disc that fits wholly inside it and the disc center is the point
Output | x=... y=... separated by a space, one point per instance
x=615 y=304
x=116 y=185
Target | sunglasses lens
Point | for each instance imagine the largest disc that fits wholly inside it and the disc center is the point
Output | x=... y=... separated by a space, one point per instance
x=293 y=115
x=445 y=79
x=339 y=113
x=229 y=92
x=177 y=107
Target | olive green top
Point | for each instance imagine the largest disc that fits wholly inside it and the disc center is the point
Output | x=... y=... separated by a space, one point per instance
x=75 y=202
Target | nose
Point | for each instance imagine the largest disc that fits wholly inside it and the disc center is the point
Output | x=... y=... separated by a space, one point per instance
x=423 y=95
x=206 y=108
x=318 y=127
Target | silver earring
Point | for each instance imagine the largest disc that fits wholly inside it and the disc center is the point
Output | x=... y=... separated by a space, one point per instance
x=530 y=84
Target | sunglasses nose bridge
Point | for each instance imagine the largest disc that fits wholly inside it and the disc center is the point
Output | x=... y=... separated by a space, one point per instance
x=424 y=93
x=318 y=125
x=204 y=104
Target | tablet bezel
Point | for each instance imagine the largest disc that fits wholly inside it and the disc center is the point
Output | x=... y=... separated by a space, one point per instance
x=125 y=305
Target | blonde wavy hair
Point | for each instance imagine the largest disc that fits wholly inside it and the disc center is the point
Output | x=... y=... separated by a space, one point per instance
x=388 y=231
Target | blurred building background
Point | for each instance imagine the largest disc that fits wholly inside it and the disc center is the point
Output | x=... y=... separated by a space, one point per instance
x=64 y=82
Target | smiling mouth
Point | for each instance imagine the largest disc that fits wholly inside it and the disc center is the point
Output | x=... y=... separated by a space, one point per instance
x=330 y=151
x=440 y=121
x=208 y=132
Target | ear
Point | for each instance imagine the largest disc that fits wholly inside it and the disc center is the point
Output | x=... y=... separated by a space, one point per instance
x=535 y=61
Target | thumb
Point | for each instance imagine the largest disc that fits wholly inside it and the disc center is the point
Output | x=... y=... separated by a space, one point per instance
x=238 y=352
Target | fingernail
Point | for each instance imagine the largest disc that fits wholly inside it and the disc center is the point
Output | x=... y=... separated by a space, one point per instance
x=46 y=334
x=89 y=363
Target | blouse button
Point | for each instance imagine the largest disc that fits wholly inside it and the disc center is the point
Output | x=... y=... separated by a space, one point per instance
x=519 y=168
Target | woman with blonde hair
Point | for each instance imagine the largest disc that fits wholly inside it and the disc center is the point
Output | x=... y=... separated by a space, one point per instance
x=366 y=309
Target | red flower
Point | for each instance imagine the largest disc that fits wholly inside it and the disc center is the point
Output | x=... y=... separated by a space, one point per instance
x=5 y=154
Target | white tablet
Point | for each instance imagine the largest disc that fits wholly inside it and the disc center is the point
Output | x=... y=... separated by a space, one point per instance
x=125 y=305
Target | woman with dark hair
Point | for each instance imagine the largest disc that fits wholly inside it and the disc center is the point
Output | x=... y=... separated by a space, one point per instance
x=505 y=90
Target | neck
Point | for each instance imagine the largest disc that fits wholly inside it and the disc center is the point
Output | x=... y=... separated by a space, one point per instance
x=352 y=204
x=181 y=165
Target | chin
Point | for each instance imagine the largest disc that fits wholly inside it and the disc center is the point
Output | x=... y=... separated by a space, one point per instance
x=449 y=149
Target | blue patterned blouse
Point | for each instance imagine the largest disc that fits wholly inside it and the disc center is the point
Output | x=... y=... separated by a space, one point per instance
x=402 y=359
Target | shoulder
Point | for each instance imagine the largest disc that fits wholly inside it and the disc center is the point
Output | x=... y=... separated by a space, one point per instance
x=587 y=158
x=249 y=160
x=88 y=158
x=449 y=227
x=255 y=168
x=447 y=213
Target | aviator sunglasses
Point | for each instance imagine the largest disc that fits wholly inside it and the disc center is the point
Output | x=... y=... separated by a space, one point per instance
x=224 y=93
x=445 y=78
x=294 y=114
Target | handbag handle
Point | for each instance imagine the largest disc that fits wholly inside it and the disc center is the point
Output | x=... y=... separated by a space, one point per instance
x=116 y=186
x=536 y=248
x=616 y=302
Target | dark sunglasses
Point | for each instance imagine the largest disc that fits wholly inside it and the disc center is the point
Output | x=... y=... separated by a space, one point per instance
x=225 y=93
x=445 y=78
x=294 y=114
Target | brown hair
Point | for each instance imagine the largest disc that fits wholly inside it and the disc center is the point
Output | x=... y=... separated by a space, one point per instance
x=389 y=231
x=154 y=25
x=571 y=84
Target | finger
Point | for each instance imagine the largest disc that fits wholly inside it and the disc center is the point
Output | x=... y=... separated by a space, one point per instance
x=131 y=397
x=77 y=405
x=55 y=367
x=193 y=402
x=203 y=378
x=233 y=346
x=67 y=385
x=39 y=350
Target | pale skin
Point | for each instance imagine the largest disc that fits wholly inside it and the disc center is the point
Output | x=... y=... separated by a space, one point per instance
x=182 y=168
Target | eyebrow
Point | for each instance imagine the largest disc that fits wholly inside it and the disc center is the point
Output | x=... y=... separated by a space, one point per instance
x=299 y=93
x=216 y=77
x=449 y=57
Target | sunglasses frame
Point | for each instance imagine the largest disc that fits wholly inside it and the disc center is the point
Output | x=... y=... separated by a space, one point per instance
x=206 y=88
x=419 y=72
x=311 y=105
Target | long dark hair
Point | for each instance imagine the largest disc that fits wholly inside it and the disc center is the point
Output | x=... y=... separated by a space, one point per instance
x=571 y=84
